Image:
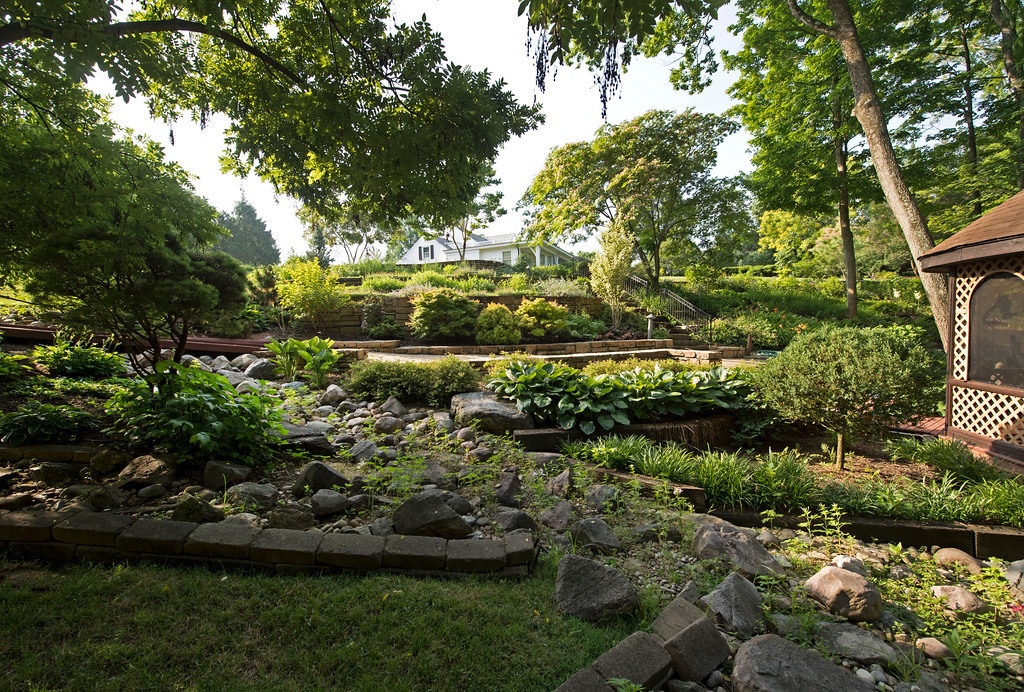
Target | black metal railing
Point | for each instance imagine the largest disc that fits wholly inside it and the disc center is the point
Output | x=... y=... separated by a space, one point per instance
x=670 y=304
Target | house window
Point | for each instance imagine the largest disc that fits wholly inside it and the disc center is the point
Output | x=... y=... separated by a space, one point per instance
x=506 y=256
x=996 y=344
x=427 y=252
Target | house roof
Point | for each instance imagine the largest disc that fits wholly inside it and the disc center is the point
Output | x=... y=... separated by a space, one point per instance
x=998 y=233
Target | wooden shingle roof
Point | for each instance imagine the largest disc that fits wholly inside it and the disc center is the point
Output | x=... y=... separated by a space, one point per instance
x=998 y=233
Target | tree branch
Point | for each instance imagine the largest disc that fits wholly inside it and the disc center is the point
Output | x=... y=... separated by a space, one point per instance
x=810 y=22
x=15 y=31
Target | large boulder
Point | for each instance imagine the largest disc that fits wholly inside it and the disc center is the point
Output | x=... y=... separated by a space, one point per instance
x=737 y=605
x=850 y=641
x=315 y=476
x=718 y=538
x=594 y=534
x=251 y=495
x=307 y=438
x=509 y=488
x=219 y=475
x=427 y=514
x=261 y=369
x=191 y=508
x=491 y=414
x=845 y=593
x=590 y=591
x=147 y=470
x=769 y=663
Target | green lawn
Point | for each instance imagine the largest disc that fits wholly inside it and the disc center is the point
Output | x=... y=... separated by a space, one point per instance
x=152 y=627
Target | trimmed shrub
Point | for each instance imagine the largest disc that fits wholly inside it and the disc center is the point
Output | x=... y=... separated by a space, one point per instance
x=443 y=314
x=497 y=325
x=433 y=383
x=542 y=319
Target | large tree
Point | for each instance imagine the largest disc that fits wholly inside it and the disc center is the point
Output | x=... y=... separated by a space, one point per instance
x=250 y=241
x=650 y=175
x=604 y=33
x=323 y=96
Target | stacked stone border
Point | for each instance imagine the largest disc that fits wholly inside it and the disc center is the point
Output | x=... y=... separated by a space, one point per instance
x=112 y=538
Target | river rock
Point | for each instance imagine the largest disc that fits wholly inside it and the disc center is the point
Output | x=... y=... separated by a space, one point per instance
x=261 y=369
x=845 y=593
x=736 y=604
x=261 y=496
x=191 y=508
x=769 y=663
x=594 y=534
x=426 y=514
x=316 y=476
x=147 y=470
x=491 y=414
x=218 y=474
x=718 y=538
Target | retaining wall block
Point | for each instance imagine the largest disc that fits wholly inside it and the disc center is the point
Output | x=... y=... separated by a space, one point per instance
x=161 y=536
x=697 y=650
x=351 y=551
x=520 y=548
x=50 y=550
x=103 y=555
x=584 y=680
x=1004 y=542
x=287 y=546
x=28 y=526
x=222 y=539
x=414 y=552
x=638 y=658
x=475 y=555
x=92 y=528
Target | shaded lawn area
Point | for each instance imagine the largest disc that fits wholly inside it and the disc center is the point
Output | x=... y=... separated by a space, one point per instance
x=148 y=626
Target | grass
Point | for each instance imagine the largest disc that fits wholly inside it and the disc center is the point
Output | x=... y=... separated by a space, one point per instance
x=153 y=627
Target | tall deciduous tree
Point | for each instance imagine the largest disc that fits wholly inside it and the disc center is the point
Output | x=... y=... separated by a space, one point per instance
x=650 y=175
x=250 y=241
x=601 y=33
x=610 y=268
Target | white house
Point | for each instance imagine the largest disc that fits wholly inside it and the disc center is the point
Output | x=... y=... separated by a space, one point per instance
x=507 y=248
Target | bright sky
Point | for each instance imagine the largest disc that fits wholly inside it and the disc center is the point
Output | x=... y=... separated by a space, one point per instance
x=483 y=35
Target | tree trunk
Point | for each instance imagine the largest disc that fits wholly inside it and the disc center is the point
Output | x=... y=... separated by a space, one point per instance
x=840 y=147
x=840 y=452
x=972 y=137
x=868 y=111
x=1008 y=38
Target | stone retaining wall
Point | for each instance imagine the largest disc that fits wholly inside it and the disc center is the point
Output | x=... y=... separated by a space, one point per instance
x=589 y=347
x=109 y=538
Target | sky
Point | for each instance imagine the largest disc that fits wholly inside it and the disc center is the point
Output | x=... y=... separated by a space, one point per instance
x=482 y=35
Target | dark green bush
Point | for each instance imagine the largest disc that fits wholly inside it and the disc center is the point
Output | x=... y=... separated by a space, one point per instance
x=433 y=383
x=542 y=319
x=377 y=322
x=443 y=314
x=34 y=422
x=196 y=415
x=497 y=325
x=583 y=327
x=73 y=355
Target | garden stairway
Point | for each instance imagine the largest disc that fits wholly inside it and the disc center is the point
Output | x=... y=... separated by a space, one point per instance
x=691 y=325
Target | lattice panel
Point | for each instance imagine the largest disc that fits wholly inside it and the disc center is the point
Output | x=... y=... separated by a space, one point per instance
x=996 y=416
x=968 y=276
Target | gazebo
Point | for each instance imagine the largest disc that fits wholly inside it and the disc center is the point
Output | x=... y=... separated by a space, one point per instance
x=985 y=371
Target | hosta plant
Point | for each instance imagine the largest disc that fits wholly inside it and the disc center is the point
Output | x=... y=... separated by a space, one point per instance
x=36 y=422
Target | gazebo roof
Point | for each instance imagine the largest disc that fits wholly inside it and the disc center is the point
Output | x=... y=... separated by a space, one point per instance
x=998 y=233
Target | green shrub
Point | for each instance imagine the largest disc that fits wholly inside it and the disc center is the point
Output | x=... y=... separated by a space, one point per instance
x=475 y=284
x=382 y=283
x=309 y=291
x=583 y=327
x=517 y=283
x=432 y=279
x=852 y=382
x=542 y=319
x=433 y=383
x=73 y=355
x=196 y=415
x=377 y=322
x=370 y=265
x=11 y=365
x=443 y=314
x=34 y=422
x=558 y=287
x=497 y=325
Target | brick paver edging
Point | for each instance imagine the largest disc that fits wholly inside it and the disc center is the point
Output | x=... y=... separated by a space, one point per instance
x=108 y=537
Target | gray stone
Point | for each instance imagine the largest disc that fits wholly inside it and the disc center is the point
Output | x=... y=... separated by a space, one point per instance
x=332 y=396
x=261 y=369
x=845 y=593
x=585 y=680
x=426 y=514
x=382 y=526
x=394 y=407
x=147 y=470
x=736 y=604
x=53 y=474
x=638 y=658
x=491 y=414
x=1014 y=574
x=242 y=361
x=233 y=377
x=594 y=534
x=327 y=503
x=155 y=536
x=28 y=526
x=323 y=412
x=591 y=591
x=221 y=363
x=519 y=548
x=558 y=517
x=954 y=556
x=601 y=498
x=769 y=663
x=414 y=552
x=293 y=386
x=191 y=508
x=850 y=641
x=466 y=435
x=561 y=485
x=474 y=555
x=104 y=497
x=17 y=501
x=307 y=438
x=933 y=648
x=108 y=460
x=697 y=650
x=509 y=488
x=385 y=425
x=656 y=533
x=286 y=546
x=959 y=599
x=92 y=528
x=459 y=504
x=364 y=450
x=316 y=476
x=512 y=519
x=351 y=551
x=718 y=538
x=253 y=495
x=675 y=617
x=851 y=564
x=151 y=492
x=295 y=518
x=219 y=474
